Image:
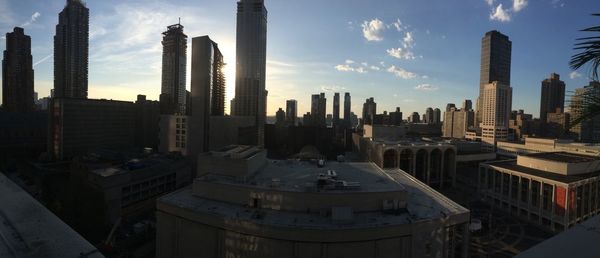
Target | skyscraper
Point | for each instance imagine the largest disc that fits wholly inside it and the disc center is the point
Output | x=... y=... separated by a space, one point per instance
x=467 y=104
x=208 y=92
x=437 y=113
x=496 y=109
x=369 y=111
x=553 y=96
x=428 y=116
x=174 y=62
x=280 y=117
x=496 y=51
x=347 y=111
x=318 y=109
x=291 y=111
x=588 y=130
x=336 y=109
x=17 y=73
x=251 y=58
x=71 y=47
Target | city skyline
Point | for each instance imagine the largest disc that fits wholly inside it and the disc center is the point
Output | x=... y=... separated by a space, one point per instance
x=407 y=46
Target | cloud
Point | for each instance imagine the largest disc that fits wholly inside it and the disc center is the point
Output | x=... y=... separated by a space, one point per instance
x=489 y=2
x=398 y=25
x=375 y=68
x=373 y=30
x=401 y=53
x=574 y=75
x=279 y=63
x=500 y=14
x=42 y=60
x=426 y=87
x=348 y=68
x=401 y=73
x=32 y=19
x=332 y=88
x=348 y=61
x=408 y=41
x=518 y=5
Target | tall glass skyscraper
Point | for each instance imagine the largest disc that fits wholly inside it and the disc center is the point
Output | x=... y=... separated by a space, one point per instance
x=336 y=109
x=347 y=111
x=251 y=61
x=496 y=51
x=71 y=47
x=173 y=94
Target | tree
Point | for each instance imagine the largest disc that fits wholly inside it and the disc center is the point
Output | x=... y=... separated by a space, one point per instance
x=589 y=55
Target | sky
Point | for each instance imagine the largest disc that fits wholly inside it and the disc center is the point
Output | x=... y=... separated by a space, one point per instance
x=411 y=54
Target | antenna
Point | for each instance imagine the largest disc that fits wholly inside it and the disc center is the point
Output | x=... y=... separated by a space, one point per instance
x=179 y=20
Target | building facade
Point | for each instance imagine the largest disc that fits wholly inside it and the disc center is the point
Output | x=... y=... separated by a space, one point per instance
x=174 y=63
x=553 y=96
x=147 y=113
x=369 y=111
x=318 y=107
x=173 y=134
x=71 y=51
x=496 y=109
x=17 y=73
x=207 y=93
x=347 y=108
x=589 y=130
x=251 y=60
x=496 y=51
x=291 y=112
x=336 y=109
x=457 y=122
x=343 y=209
x=555 y=190
x=77 y=126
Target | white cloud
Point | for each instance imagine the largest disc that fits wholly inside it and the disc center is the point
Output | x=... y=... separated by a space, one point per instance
x=398 y=25
x=574 y=75
x=401 y=53
x=332 y=88
x=32 y=19
x=500 y=14
x=364 y=64
x=426 y=87
x=408 y=41
x=375 y=68
x=361 y=70
x=344 y=68
x=518 y=5
x=373 y=30
x=348 y=61
x=401 y=73
x=489 y=2
x=279 y=63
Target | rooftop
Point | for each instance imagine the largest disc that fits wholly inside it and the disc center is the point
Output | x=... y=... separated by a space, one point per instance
x=28 y=229
x=562 y=157
x=512 y=165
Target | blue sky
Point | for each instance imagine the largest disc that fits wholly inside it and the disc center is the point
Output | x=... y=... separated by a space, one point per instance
x=410 y=53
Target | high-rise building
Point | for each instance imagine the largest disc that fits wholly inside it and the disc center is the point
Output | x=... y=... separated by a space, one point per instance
x=17 y=73
x=318 y=110
x=280 y=117
x=437 y=113
x=291 y=111
x=415 y=118
x=369 y=111
x=467 y=104
x=174 y=62
x=428 y=116
x=450 y=106
x=208 y=93
x=457 y=122
x=496 y=51
x=496 y=109
x=553 y=96
x=396 y=117
x=588 y=130
x=336 y=109
x=251 y=59
x=71 y=49
x=347 y=107
x=147 y=113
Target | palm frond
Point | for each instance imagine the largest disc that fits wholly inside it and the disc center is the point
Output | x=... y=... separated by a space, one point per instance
x=590 y=52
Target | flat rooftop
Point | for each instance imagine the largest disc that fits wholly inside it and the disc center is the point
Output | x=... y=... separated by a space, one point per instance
x=294 y=175
x=563 y=157
x=423 y=203
x=236 y=151
x=580 y=241
x=512 y=165
x=28 y=229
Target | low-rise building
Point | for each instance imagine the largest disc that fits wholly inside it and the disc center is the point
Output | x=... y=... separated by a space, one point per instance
x=244 y=205
x=555 y=190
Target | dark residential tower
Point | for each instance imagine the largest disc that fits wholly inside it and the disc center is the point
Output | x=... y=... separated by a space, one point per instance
x=174 y=61
x=553 y=96
x=71 y=48
x=17 y=73
x=336 y=109
x=347 y=111
x=318 y=110
x=496 y=51
x=208 y=92
x=251 y=60
x=369 y=111
x=291 y=112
